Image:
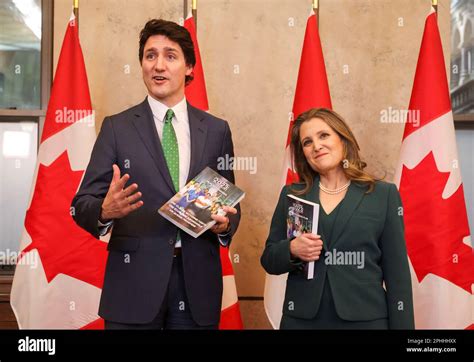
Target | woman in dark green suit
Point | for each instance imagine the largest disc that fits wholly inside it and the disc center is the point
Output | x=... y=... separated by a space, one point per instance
x=361 y=275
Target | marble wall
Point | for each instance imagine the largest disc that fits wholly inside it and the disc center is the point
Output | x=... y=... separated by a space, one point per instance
x=250 y=51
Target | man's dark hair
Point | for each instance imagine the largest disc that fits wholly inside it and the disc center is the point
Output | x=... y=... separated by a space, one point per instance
x=174 y=32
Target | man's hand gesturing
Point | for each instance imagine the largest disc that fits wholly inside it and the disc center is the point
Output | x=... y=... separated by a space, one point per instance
x=120 y=202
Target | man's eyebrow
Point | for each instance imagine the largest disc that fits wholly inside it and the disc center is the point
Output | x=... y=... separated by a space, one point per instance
x=168 y=49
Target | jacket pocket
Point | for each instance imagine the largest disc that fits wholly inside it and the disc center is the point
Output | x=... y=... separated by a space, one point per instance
x=359 y=301
x=123 y=243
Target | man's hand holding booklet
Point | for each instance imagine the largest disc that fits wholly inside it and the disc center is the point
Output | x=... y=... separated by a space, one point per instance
x=207 y=194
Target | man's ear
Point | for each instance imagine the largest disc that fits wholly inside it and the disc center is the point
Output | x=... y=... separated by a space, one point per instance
x=189 y=69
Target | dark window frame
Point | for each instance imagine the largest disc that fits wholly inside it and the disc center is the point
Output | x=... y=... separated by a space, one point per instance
x=46 y=77
x=460 y=119
x=47 y=16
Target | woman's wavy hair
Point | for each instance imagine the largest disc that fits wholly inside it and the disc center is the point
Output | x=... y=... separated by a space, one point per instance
x=351 y=163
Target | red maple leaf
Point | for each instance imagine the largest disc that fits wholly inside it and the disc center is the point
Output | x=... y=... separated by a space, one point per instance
x=63 y=246
x=435 y=227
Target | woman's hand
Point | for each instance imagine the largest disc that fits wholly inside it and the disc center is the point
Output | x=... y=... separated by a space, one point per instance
x=306 y=247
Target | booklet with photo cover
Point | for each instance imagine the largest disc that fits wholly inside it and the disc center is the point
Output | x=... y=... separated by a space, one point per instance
x=303 y=216
x=205 y=195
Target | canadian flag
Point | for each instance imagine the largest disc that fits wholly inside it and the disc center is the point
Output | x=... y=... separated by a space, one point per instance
x=436 y=225
x=60 y=270
x=312 y=91
x=196 y=94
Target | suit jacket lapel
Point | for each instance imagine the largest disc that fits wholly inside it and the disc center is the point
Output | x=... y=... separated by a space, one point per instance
x=351 y=201
x=198 y=132
x=146 y=128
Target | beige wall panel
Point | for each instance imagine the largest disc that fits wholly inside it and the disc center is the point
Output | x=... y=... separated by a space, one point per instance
x=379 y=42
x=251 y=51
x=371 y=48
x=109 y=37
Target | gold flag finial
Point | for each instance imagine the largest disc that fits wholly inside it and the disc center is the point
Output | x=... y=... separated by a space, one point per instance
x=315 y=4
x=434 y=2
x=75 y=10
x=194 y=5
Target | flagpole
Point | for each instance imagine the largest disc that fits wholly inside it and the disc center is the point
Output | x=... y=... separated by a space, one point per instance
x=75 y=4
x=316 y=9
x=194 y=12
x=434 y=3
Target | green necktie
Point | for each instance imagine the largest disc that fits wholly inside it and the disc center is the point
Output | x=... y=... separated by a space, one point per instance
x=170 y=149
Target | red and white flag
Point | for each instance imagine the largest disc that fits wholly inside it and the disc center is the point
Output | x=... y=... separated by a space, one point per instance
x=436 y=225
x=195 y=91
x=196 y=94
x=312 y=91
x=60 y=270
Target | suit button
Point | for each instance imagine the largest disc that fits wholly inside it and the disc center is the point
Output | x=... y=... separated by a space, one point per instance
x=171 y=241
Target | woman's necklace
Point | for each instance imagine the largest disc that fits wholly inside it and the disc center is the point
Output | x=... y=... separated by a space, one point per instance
x=335 y=191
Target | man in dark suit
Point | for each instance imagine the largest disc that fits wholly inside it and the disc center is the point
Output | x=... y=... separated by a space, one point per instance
x=156 y=276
